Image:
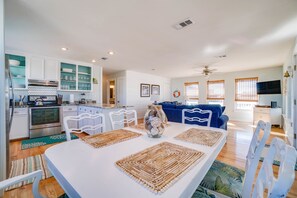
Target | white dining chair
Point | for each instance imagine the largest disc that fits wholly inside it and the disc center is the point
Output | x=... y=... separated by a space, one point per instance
x=280 y=186
x=36 y=175
x=254 y=153
x=122 y=117
x=196 y=119
x=91 y=124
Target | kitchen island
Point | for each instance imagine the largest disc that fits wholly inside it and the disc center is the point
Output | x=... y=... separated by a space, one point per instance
x=91 y=108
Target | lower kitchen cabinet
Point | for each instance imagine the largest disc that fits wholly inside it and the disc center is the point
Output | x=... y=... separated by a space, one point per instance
x=70 y=111
x=19 y=127
x=78 y=110
x=272 y=115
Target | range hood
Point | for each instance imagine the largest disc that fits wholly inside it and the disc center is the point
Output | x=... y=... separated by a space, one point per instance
x=43 y=83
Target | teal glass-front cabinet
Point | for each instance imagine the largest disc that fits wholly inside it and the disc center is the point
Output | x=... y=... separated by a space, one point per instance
x=84 y=78
x=17 y=65
x=68 y=76
x=75 y=77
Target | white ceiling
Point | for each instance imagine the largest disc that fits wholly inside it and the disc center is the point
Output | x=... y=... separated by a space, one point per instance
x=253 y=33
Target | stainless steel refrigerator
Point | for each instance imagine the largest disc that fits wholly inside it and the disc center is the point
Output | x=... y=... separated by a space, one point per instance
x=9 y=104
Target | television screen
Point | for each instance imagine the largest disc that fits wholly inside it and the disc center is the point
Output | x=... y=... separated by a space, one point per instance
x=269 y=87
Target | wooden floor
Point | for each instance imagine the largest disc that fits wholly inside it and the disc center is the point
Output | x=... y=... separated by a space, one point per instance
x=233 y=153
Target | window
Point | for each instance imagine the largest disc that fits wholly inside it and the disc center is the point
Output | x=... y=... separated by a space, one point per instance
x=191 y=92
x=216 y=92
x=246 y=93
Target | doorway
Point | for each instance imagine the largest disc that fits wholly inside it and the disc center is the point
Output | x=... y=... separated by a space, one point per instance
x=111 y=89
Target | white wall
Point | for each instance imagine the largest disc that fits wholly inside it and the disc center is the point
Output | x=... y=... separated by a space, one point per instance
x=274 y=73
x=131 y=89
x=97 y=88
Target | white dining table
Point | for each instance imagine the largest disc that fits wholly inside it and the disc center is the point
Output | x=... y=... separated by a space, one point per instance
x=84 y=171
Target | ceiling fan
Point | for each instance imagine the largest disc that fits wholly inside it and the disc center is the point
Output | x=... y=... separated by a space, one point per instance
x=207 y=71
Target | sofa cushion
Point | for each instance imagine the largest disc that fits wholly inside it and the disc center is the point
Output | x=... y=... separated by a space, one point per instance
x=185 y=106
x=168 y=106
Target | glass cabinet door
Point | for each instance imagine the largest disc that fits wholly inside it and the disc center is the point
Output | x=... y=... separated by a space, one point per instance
x=17 y=65
x=68 y=76
x=84 y=78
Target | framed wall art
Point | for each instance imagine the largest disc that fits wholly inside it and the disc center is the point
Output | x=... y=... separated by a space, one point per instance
x=144 y=90
x=155 y=89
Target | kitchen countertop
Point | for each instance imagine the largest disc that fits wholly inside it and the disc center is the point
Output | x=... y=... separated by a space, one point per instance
x=102 y=106
x=23 y=106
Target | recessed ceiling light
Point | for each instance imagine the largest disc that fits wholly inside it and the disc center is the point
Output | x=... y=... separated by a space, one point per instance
x=64 y=48
x=93 y=61
x=111 y=53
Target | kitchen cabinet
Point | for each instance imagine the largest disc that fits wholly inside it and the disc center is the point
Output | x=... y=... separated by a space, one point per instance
x=272 y=115
x=51 y=69
x=36 y=70
x=84 y=78
x=70 y=111
x=43 y=68
x=75 y=77
x=18 y=70
x=19 y=127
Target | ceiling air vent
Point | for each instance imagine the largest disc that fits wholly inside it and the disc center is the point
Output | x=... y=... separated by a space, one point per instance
x=183 y=24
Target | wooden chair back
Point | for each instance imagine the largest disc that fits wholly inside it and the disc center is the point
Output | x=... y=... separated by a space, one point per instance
x=252 y=159
x=122 y=118
x=280 y=186
x=91 y=123
x=196 y=119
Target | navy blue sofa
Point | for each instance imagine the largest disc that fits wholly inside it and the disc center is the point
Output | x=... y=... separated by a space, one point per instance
x=173 y=112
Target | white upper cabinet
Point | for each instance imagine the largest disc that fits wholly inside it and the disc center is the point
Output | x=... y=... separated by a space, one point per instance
x=36 y=65
x=43 y=68
x=51 y=69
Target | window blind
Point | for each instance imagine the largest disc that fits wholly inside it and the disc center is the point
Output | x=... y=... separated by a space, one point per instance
x=192 y=91
x=216 y=90
x=246 y=89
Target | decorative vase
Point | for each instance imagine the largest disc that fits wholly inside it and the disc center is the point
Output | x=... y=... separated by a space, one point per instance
x=153 y=122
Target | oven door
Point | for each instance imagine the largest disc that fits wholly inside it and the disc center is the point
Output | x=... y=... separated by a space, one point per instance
x=44 y=117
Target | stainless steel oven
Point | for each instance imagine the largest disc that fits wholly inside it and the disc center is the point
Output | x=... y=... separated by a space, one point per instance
x=44 y=121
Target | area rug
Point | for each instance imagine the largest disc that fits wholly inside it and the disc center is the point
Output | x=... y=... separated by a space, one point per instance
x=159 y=166
x=28 y=165
x=276 y=161
x=223 y=179
x=200 y=136
x=109 y=138
x=35 y=142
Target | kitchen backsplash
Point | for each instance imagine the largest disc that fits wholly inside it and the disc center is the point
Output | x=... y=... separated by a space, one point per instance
x=49 y=91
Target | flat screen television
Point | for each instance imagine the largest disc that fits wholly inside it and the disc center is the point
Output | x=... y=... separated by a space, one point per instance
x=269 y=87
